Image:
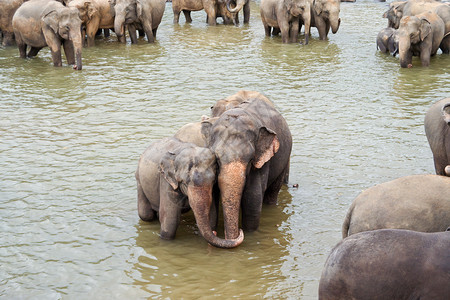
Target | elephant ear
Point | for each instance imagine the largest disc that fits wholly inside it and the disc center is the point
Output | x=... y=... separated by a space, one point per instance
x=168 y=170
x=51 y=20
x=206 y=129
x=266 y=147
x=425 y=28
x=90 y=9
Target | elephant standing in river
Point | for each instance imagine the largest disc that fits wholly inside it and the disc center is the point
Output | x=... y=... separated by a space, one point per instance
x=325 y=15
x=7 y=10
x=238 y=6
x=172 y=177
x=437 y=129
x=213 y=9
x=388 y=264
x=40 y=23
x=94 y=14
x=400 y=9
x=416 y=202
x=419 y=35
x=137 y=15
x=285 y=16
x=252 y=143
x=387 y=41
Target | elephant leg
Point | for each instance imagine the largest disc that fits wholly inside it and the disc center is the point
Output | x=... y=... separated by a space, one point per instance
x=284 y=28
x=445 y=44
x=22 y=47
x=91 y=31
x=147 y=24
x=145 y=211
x=425 y=55
x=236 y=19
x=132 y=32
x=187 y=16
x=246 y=12
x=169 y=211
x=106 y=32
x=267 y=29
x=176 y=16
x=252 y=199
x=214 y=210
x=271 y=193
x=33 y=51
x=69 y=51
x=275 y=31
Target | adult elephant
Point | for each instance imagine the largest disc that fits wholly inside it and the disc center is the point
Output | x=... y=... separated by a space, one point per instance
x=138 y=15
x=399 y=9
x=437 y=129
x=40 y=23
x=325 y=15
x=237 y=7
x=7 y=10
x=388 y=264
x=213 y=9
x=285 y=16
x=252 y=143
x=416 y=202
x=419 y=35
x=94 y=14
x=172 y=177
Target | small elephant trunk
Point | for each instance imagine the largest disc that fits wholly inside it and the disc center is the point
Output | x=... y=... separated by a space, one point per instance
x=200 y=199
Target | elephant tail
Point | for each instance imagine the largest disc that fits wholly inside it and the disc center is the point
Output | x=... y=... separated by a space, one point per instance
x=348 y=217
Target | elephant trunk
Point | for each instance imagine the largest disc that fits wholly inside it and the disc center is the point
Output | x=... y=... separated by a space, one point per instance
x=335 y=24
x=200 y=201
x=404 y=52
x=237 y=8
x=77 y=45
x=231 y=184
x=119 y=25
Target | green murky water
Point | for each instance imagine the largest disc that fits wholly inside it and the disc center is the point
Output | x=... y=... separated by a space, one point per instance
x=70 y=142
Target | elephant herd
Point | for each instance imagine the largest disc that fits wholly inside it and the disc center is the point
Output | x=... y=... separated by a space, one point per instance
x=70 y=24
x=396 y=235
x=416 y=28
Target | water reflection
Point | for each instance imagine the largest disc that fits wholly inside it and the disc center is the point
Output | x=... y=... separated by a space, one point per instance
x=190 y=264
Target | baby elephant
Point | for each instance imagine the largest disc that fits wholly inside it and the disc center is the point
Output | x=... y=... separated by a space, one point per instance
x=388 y=264
x=437 y=129
x=416 y=202
x=387 y=41
x=172 y=177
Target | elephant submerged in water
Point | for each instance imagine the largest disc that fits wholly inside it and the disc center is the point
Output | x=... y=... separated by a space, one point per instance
x=387 y=41
x=388 y=264
x=172 y=177
x=416 y=202
x=41 y=23
x=437 y=129
x=252 y=143
x=213 y=9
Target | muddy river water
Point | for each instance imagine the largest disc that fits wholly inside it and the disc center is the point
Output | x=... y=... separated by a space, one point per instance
x=70 y=142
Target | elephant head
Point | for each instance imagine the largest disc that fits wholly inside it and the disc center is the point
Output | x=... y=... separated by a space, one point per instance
x=193 y=171
x=66 y=23
x=394 y=13
x=329 y=11
x=126 y=12
x=412 y=31
x=86 y=10
x=241 y=143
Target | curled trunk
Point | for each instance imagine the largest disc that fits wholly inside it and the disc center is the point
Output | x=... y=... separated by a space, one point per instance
x=200 y=201
x=237 y=8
